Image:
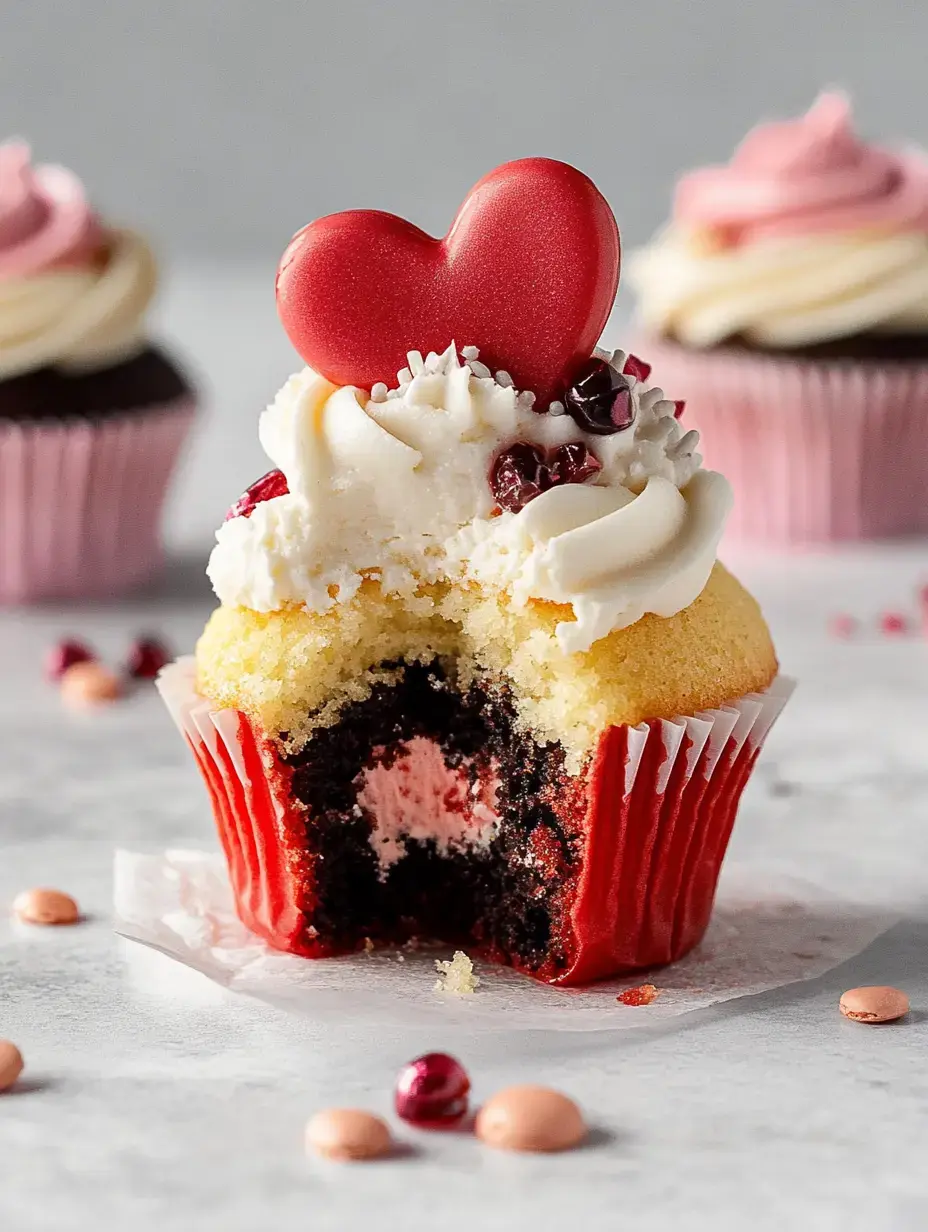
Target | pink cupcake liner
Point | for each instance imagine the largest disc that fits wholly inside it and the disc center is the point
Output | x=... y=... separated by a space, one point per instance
x=80 y=502
x=661 y=802
x=816 y=451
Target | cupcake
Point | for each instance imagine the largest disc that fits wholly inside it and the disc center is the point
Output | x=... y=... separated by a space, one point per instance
x=92 y=417
x=788 y=299
x=476 y=676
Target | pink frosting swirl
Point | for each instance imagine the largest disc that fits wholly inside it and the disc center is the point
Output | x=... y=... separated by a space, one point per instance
x=806 y=176
x=45 y=218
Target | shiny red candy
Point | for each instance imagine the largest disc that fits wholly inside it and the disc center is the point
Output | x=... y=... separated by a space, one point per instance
x=572 y=463
x=432 y=1090
x=523 y=471
x=264 y=489
x=518 y=475
x=527 y=272
x=637 y=368
x=600 y=400
x=678 y=407
x=147 y=656
x=64 y=655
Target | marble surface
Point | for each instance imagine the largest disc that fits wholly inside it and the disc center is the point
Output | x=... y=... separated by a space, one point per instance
x=155 y=1100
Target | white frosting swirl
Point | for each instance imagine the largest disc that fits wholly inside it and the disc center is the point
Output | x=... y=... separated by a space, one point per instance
x=785 y=291
x=83 y=316
x=395 y=487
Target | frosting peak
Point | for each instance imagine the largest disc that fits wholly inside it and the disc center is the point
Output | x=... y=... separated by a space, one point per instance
x=72 y=293
x=807 y=175
x=45 y=219
x=394 y=486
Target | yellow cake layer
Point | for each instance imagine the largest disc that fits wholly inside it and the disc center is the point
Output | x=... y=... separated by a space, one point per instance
x=282 y=667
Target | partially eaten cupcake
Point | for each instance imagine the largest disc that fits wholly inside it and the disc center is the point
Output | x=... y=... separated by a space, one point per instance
x=445 y=695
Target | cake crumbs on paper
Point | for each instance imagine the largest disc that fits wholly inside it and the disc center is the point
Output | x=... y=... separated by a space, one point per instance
x=644 y=994
x=456 y=975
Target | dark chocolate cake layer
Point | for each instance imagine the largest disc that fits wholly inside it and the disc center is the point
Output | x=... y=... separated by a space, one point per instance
x=148 y=379
x=877 y=348
x=506 y=897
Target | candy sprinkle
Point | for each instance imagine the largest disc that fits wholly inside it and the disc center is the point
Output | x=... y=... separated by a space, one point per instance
x=644 y=994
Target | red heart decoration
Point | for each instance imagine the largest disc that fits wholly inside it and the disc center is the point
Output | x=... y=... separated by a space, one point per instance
x=528 y=273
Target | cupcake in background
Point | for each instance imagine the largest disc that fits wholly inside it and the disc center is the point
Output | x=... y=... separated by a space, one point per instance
x=788 y=299
x=92 y=417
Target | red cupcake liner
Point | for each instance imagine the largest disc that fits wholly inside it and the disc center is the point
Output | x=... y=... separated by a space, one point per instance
x=80 y=502
x=661 y=803
x=816 y=451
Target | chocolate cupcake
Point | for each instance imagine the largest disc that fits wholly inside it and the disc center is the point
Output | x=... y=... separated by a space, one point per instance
x=788 y=299
x=92 y=416
x=476 y=675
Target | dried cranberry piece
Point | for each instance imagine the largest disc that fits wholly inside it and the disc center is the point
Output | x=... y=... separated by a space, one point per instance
x=600 y=401
x=524 y=471
x=64 y=655
x=518 y=475
x=266 y=488
x=637 y=368
x=147 y=656
x=432 y=1090
x=572 y=463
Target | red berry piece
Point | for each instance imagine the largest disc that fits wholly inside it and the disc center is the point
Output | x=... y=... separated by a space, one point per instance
x=572 y=463
x=432 y=1090
x=147 y=656
x=600 y=400
x=264 y=489
x=637 y=368
x=842 y=626
x=64 y=655
x=893 y=623
x=524 y=471
x=678 y=407
x=518 y=475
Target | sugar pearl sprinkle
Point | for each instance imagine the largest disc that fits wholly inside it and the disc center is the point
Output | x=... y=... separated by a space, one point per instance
x=47 y=907
x=530 y=1118
x=348 y=1135
x=874 y=1004
x=11 y=1064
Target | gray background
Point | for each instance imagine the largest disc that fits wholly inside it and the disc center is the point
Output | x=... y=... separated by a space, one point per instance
x=221 y=126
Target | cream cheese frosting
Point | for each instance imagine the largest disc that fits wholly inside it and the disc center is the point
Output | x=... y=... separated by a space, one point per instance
x=393 y=485
x=808 y=235
x=73 y=294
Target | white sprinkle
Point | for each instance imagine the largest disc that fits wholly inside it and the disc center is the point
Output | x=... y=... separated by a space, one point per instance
x=602 y=353
x=526 y=400
x=503 y=378
x=416 y=362
x=686 y=444
x=479 y=369
x=618 y=359
x=379 y=392
x=557 y=408
x=432 y=362
x=470 y=352
x=403 y=377
x=664 y=408
x=651 y=397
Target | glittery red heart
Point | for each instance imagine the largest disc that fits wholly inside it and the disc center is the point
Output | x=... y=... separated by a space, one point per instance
x=528 y=273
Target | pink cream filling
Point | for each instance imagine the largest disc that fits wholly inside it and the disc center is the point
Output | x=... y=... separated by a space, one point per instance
x=419 y=796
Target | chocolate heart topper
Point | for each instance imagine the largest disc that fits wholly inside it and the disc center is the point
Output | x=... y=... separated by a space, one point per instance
x=527 y=272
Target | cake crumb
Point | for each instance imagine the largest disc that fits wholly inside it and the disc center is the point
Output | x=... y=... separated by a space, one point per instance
x=644 y=994
x=368 y=946
x=456 y=975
